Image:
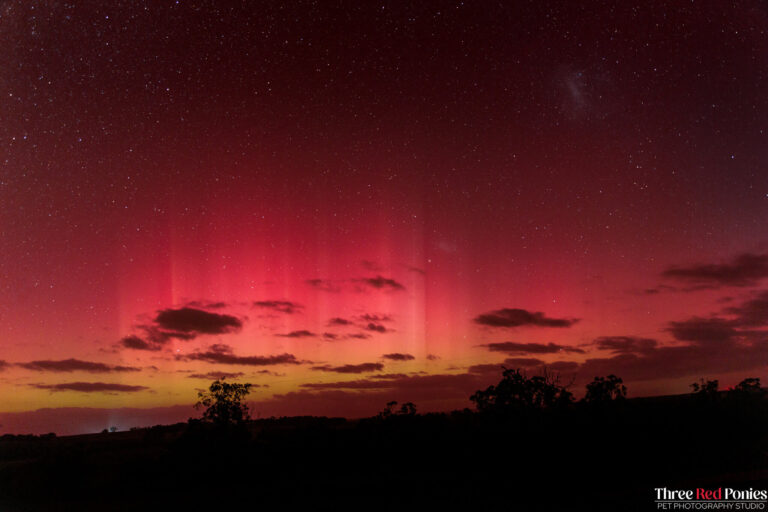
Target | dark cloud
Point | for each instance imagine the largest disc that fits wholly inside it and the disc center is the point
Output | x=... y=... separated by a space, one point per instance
x=298 y=334
x=432 y=357
x=417 y=270
x=625 y=344
x=207 y=305
x=371 y=265
x=530 y=348
x=376 y=328
x=75 y=365
x=325 y=285
x=359 y=336
x=351 y=368
x=196 y=321
x=692 y=360
x=744 y=270
x=90 y=387
x=222 y=354
x=281 y=306
x=136 y=343
x=381 y=283
x=339 y=322
x=753 y=312
x=375 y=318
x=398 y=357
x=512 y=317
x=330 y=336
x=4 y=365
x=703 y=330
x=216 y=375
x=522 y=362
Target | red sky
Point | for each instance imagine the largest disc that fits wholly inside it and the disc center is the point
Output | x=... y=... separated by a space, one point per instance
x=188 y=189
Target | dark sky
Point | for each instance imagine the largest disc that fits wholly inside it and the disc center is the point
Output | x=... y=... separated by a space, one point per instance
x=197 y=187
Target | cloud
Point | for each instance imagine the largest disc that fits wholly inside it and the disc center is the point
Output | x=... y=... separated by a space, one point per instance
x=744 y=270
x=216 y=375
x=376 y=328
x=330 y=336
x=298 y=334
x=341 y=322
x=324 y=285
x=522 y=362
x=75 y=365
x=281 y=306
x=625 y=344
x=703 y=330
x=513 y=317
x=351 y=368
x=90 y=387
x=398 y=357
x=359 y=336
x=207 y=305
x=530 y=348
x=371 y=265
x=753 y=312
x=432 y=357
x=196 y=321
x=4 y=365
x=375 y=318
x=136 y=343
x=222 y=354
x=381 y=283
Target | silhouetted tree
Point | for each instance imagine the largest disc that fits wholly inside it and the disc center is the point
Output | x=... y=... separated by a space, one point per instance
x=224 y=403
x=748 y=388
x=407 y=409
x=705 y=388
x=516 y=390
x=605 y=389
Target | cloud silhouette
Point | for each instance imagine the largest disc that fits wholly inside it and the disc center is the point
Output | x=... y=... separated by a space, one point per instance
x=703 y=330
x=298 y=334
x=625 y=344
x=196 y=321
x=137 y=343
x=330 y=336
x=513 y=317
x=324 y=285
x=753 y=312
x=90 y=387
x=215 y=375
x=359 y=336
x=381 y=283
x=375 y=318
x=340 y=322
x=530 y=348
x=376 y=328
x=4 y=365
x=398 y=357
x=281 y=306
x=351 y=368
x=744 y=270
x=222 y=354
x=74 y=365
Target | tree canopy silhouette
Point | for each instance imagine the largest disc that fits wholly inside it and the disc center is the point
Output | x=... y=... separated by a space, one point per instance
x=605 y=390
x=516 y=390
x=224 y=403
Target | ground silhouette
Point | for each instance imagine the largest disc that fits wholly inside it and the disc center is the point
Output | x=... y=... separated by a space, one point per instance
x=529 y=445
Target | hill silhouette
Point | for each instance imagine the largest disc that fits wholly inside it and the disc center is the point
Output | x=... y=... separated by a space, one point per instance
x=607 y=453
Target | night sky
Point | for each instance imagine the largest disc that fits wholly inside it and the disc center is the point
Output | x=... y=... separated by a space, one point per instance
x=347 y=203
